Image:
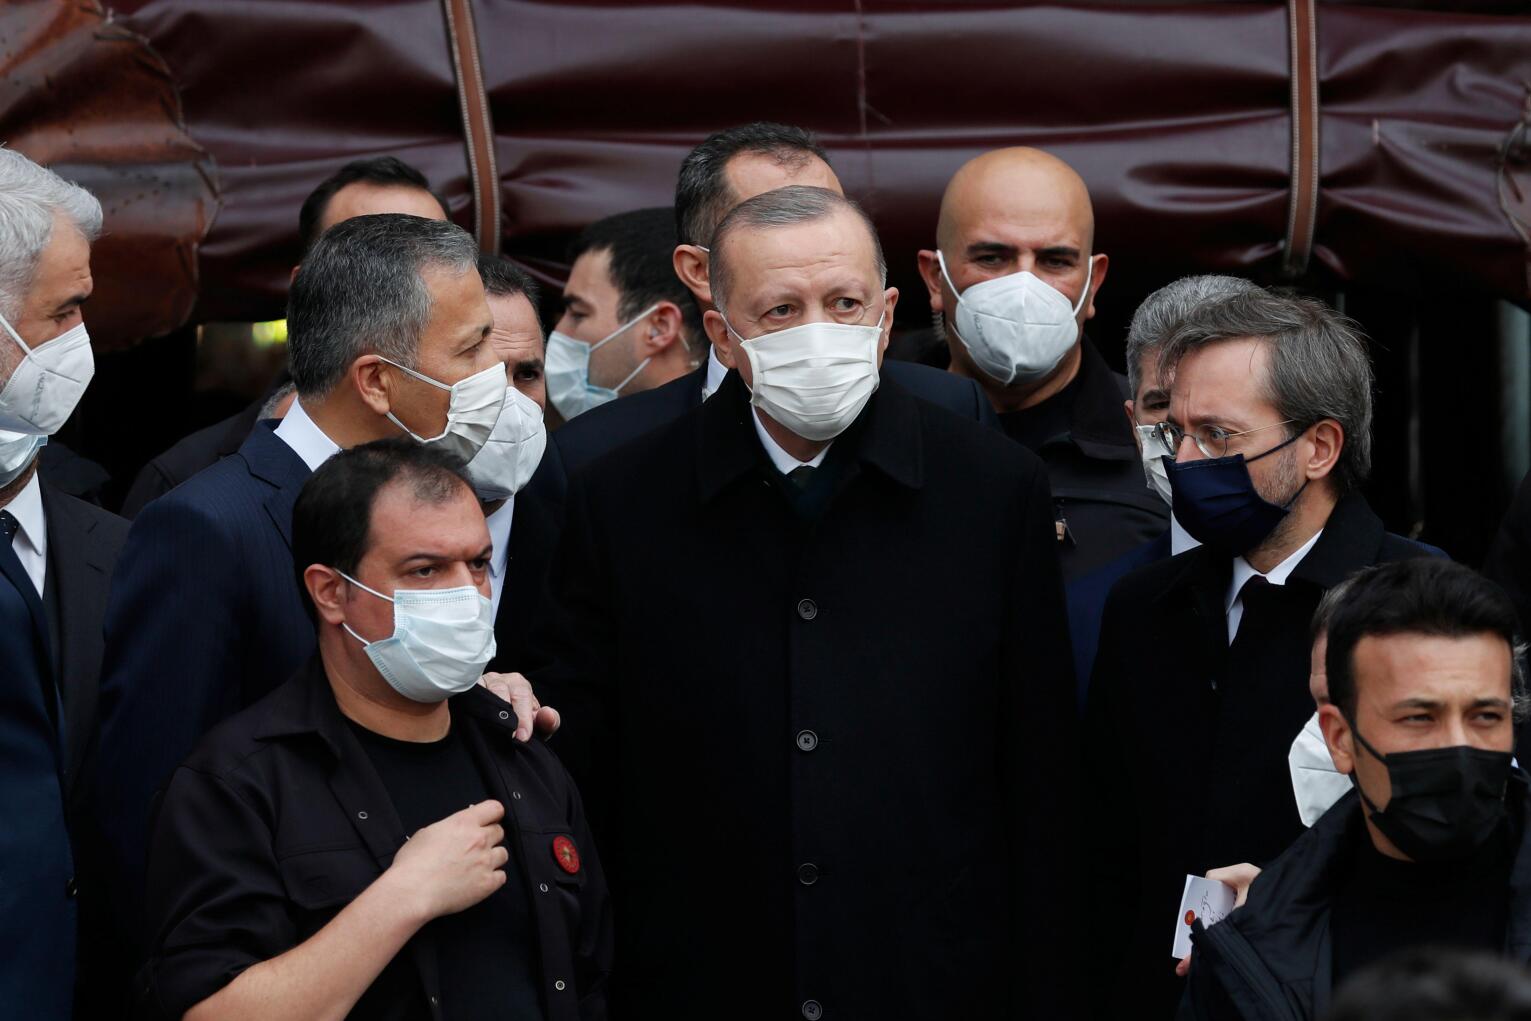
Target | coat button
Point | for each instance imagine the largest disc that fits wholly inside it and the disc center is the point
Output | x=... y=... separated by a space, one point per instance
x=72 y=888
x=543 y=887
x=807 y=740
x=807 y=609
x=559 y=985
x=504 y=714
x=516 y=795
x=812 y=1010
x=808 y=873
x=362 y=816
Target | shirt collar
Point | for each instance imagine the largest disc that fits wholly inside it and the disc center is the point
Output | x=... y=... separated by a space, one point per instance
x=715 y=373
x=1277 y=575
x=305 y=438
x=781 y=460
x=499 y=534
x=27 y=508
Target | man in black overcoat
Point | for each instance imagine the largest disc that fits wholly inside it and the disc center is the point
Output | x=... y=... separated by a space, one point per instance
x=809 y=807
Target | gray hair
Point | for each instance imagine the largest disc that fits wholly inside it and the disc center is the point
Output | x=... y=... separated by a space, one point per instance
x=1319 y=367
x=1166 y=309
x=30 y=195
x=784 y=207
x=360 y=291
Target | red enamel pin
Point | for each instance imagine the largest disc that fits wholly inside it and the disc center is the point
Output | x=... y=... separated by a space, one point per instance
x=566 y=854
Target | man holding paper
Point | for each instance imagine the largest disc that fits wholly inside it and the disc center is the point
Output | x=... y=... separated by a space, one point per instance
x=1430 y=849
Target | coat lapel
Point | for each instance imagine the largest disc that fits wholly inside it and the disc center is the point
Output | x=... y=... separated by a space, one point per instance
x=79 y=567
x=278 y=465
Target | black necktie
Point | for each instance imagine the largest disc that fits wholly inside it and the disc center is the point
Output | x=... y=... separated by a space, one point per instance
x=800 y=476
x=1255 y=598
x=9 y=526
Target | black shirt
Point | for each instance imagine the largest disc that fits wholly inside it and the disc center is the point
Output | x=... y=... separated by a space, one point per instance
x=1385 y=905
x=1034 y=426
x=486 y=954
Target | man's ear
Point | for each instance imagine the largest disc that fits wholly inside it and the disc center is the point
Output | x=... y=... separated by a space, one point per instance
x=890 y=302
x=1130 y=407
x=294 y=274
x=659 y=330
x=372 y=382
x=1338 y=736
x=930 y=272
x=328 y=591
x=1102 y=263
x=717 y=332
x=691 y=266
x=1328 y=438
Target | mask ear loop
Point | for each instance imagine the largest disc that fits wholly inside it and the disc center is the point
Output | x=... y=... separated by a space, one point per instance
x=15 y=336
x=364 y=588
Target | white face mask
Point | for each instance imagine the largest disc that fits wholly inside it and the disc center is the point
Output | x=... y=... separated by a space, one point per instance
x=813 y=379
x=568 y=370
x=16 y=452
x=1016 y=327
x=442 y=640
x=45 y=387
x=471 y=413
x=1153 y=450
x=506 y=462
x=1315 y=782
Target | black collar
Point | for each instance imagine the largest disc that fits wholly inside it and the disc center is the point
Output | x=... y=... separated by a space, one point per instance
x=886 y=436
x=1098 y=424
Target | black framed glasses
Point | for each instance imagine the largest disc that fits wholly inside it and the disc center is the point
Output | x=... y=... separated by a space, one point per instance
x=1210 y=440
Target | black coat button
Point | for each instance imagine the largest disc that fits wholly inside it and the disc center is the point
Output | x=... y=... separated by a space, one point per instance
x=807 y=740
x=812 y=1010
x=808 y=873
x=807 y=609
x=72 y=888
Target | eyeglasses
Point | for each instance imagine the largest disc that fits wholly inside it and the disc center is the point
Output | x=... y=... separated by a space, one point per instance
x=1210 y=440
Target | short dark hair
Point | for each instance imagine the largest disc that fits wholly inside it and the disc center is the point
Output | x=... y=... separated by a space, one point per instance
x=504 y=279
x=641 y=244
x=1433 y=984
x=383 y=171
x=332 y=520
x=702 y=196
x=1422 y=595
x=783 y=207
x=1319 y=367
x=360 y=291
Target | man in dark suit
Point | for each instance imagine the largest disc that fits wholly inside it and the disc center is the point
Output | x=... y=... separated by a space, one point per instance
x=806 y=809
x=1201 y=679
x=56 y=553
x=727 y=168
x=377 y=184
x=388 y=334
x=1013 y=279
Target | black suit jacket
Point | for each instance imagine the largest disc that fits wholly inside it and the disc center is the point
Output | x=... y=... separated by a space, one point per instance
x=604 y=429
x=803 y=798
x=201 y=449
x=1188 y=740
x=534 y=530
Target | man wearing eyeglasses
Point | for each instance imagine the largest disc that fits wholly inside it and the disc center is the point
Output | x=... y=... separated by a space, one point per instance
x=1200 y=681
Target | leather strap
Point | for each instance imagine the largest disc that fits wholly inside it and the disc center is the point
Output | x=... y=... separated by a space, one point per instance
x=478 y=125
x=1303 y=211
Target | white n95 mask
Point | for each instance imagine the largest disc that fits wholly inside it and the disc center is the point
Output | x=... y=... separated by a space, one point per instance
x=813 y=379
x=568 y=370
x=442 y=640
x=505 y=463
x=1316 y=784
x=1153 y=451
x=473 y=409
x=46 y=385
x=1017 y=327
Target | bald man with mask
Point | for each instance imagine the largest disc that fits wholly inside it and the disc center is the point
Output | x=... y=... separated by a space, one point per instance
x=1012 y=282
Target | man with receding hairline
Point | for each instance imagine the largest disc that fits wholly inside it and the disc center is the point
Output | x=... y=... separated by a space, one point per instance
x=1012 y=281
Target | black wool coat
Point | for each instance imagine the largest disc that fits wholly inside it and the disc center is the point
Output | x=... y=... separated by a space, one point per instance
x=826 y=741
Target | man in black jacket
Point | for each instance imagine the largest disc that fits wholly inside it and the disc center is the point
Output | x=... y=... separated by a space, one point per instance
x=808 y=808
x=1201 y=678
x=1431 y=848
x=280 y=880
x=727 y=168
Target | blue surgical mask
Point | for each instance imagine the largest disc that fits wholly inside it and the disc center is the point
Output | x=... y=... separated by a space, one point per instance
x=1216 y=501
x=568 y=370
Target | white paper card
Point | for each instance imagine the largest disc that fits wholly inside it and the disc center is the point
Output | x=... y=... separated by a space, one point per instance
x=1206 y=899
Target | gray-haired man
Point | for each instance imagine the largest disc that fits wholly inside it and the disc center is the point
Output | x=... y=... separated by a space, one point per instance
x=1200 y=682
x=389 y=335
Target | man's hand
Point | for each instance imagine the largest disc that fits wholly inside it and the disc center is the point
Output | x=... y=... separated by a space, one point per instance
x=530 y=714
x=1237 y=878
x=453 y=864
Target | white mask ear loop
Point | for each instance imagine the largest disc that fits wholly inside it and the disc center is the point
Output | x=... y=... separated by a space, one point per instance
x=364 y=588
x=1089 y=275
x=14 y=335
x=614 y=334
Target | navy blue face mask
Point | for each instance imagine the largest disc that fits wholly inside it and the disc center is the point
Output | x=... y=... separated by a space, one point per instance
x=1215 y=500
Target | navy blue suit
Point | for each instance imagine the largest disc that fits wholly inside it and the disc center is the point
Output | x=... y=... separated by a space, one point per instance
x=37 y=909
x=1086 y=599
x=204 y=617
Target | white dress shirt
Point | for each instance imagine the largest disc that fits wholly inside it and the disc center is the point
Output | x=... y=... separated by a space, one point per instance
x=305 y=438
x=780 y=459
x=31 y=539
x=499 y=534
x=1242 y=572
x=715 y=373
